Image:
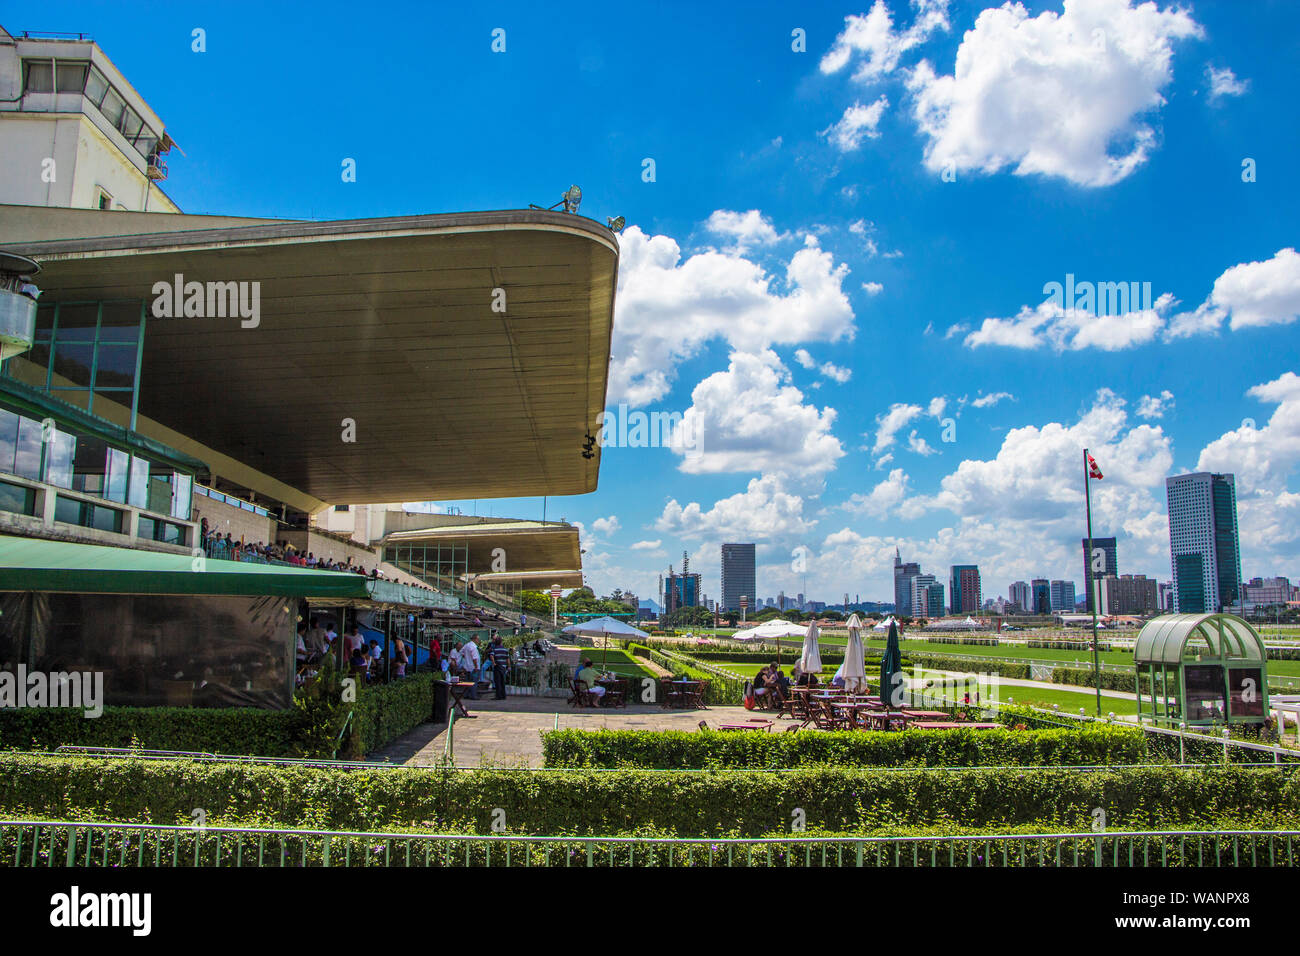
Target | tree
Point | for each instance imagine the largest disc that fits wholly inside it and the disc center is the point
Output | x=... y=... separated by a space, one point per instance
x=688 y=617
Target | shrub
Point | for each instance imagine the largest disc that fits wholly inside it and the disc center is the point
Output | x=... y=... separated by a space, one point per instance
x=692 y=803
x=677 y=750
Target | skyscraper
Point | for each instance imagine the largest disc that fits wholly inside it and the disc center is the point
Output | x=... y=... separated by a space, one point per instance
x=1204 y=548
x=1104 y=551
x=1018 y=594
x=1040 y=596
x=903 y=575
x=964 y=589
x=1062 y=596
x=737 y=576
x=927 y=596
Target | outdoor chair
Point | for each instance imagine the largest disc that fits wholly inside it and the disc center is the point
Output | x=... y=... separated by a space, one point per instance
x=671 y=693
x=695 y=694
x=704 y=725
x=615 y=694
x=581 y=694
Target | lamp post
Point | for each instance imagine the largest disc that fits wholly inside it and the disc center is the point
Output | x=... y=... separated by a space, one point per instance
x=744 y=603
x=555 y=605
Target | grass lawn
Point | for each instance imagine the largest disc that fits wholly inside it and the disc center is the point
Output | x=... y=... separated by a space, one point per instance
x=616 y=660
x=1069 y=700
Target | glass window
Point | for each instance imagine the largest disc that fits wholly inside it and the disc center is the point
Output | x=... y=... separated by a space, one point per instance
x=112 y=107
x=160 y=489
x=44 y=322
x=27 y=457
x=72 y=76
x=40 y=76
x=147 y=528
x=58 y=459
x=1246 y=690
x=17 y=499
x=68 y=510
x=96 y=86
x=104 y=519
x=77 y=323
x=88 y=466
x=120 y=322
x=8 y=439
x=181 y=498
x=116 y=470
x=116 y=366
x=72 y=361
x=130 y=124
x=138 y=491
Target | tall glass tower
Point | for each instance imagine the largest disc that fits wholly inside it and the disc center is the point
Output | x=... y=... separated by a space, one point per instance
x=1204 y=547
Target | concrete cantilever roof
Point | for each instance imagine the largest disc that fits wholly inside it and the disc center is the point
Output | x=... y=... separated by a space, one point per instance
x=527 y=546
x=387 y=322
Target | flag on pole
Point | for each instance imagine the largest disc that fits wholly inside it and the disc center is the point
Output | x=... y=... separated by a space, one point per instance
x=1093 y=470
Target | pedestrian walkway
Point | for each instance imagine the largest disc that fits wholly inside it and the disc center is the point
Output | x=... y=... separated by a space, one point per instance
x=509 y=732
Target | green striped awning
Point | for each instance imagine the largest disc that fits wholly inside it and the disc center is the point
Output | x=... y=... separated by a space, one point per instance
x=36 y=564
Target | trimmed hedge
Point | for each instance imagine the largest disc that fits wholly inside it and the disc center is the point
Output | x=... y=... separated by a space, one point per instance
x=235 y=730
x=677 y=750
x=381 y=714
x=691 y=803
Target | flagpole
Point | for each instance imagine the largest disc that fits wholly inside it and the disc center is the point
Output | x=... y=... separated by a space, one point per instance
x=1093 y=594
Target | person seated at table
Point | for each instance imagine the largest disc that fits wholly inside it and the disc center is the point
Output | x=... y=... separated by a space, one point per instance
x=804 y=679
x=589 y=675
x=838 y=679
x=780 y=686
x=761 y=689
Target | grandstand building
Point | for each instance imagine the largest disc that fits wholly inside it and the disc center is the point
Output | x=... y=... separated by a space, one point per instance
x=191 y=389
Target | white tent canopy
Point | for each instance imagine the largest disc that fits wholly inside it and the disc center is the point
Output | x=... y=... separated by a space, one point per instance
x=770 y=630
x=884 y=625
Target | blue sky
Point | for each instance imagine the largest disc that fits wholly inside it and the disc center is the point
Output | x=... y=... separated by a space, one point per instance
x=843 y=252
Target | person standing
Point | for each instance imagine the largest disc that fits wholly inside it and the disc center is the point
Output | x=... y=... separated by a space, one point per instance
x=500 y=661
x=470 y=662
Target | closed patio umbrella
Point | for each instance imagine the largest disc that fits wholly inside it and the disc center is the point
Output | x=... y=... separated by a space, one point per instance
x=891 y=664
x=855 y=667
x=810 y=662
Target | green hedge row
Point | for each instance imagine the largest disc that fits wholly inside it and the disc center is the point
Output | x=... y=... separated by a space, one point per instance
x=197 y=730
x=310 y=729
x=958 y=639
x=677 y=750
x=691 y=803
x=1070 y=645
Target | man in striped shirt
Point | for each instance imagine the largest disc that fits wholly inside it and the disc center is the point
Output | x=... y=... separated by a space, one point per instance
x=500 y=655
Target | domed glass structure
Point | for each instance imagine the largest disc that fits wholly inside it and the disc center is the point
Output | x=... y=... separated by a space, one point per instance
x=1201 y=669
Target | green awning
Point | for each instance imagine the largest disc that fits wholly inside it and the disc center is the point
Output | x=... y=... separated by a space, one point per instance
x=36 y=564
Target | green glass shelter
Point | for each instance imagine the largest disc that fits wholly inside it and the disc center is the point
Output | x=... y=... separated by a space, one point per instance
x=1201 y=669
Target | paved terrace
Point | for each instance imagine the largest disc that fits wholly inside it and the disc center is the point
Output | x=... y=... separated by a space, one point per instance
x=508 y=732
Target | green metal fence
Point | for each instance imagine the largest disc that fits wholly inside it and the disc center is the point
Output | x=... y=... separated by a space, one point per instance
x=66 y=843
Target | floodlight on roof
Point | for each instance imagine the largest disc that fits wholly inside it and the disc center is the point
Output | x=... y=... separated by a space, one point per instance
x=616 y=224
x=572 y=199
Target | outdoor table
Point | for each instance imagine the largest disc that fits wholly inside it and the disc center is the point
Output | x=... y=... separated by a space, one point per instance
x=852 y=706
x=459 y=689
x=609 y=683
x=926 y=714
x=881 y=719
x=750 y=725
x=953 y=725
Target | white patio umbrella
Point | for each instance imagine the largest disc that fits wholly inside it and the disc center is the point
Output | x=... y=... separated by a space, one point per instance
x=605 y=627
x=810 y=662
x=854 y=667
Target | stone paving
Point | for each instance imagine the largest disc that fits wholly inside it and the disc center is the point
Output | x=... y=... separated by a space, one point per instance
x=508 y=732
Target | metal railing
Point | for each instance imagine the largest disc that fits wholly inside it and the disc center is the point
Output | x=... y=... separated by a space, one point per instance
x=26 y=843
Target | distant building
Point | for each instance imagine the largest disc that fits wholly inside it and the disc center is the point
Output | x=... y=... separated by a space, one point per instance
x=1166 y=595
x=1062 y=596
x=964 y=589
x=1018 y=595
x=927 y=596
x=1203 y=543
x=904 y=574
x=1040 y=596
x=737 y=575
x=1105 y=551
x=1268 y=591
x=1137 y=594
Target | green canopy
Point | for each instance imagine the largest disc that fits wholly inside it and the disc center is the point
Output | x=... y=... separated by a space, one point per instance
x=36 y=564
x=890 y=664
